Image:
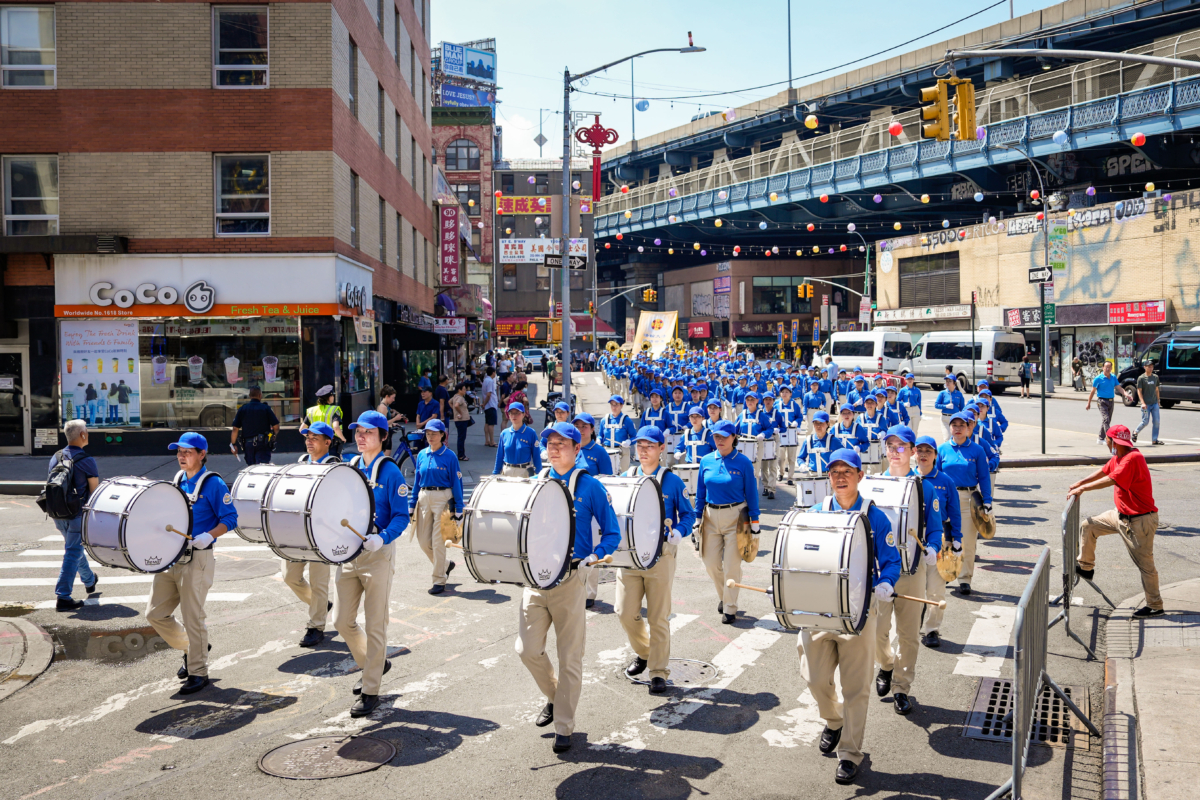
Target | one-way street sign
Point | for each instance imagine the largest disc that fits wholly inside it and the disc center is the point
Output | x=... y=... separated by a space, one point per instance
x=1036 y=274
x=573 y=262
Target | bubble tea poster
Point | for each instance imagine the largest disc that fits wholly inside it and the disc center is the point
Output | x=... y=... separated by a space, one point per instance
x=100 y=375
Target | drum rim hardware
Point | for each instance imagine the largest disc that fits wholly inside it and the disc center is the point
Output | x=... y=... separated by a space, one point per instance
x=185 y=553
x=523 y=514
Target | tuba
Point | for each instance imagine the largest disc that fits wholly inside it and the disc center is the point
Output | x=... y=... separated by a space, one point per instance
x=612 y=346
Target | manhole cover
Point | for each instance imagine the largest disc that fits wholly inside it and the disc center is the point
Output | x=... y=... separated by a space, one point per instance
x=608 y=576
x=327 y=757
x=1053 y=722
x=685 y=673
x=15 y=546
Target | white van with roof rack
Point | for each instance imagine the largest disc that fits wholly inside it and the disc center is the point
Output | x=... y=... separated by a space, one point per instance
x=997 y=358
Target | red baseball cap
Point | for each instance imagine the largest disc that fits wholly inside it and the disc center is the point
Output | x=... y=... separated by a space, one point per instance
x=1119 y=433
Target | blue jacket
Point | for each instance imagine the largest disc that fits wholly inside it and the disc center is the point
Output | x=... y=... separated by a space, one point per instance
x=391 y=499
x=947 y=495
x=727 y=480
x=591 y=504
x=594 y=458
x=213 y=506
x=696 y=445
x=677 y=416
x=517 y=447
x=790 y=413
x=966 y=466
x=887 y=557
x=998 y=414
x=909 y=397
x=854 y=437
x=657 y=418
x=678 y=509
x=813 y=400
x=814 y=452
x=614 y=431
x=873 y=425
x=752 y=423
x=949 y=402
x=438 y=470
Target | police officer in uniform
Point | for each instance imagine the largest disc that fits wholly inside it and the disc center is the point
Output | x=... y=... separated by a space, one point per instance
x=518 y=450
x=563 y=606
x=256 y=425
x=314 y=592
x=367 y=580
x=437 y=483
x=186 y=585
x=325 y=411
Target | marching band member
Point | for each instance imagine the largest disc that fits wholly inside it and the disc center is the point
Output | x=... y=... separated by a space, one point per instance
x=856 y=395
x=314 y=592
x=949 y=401
x=518 y=450
x=814 y=450
x=713 y=406
x=739 y=396
x=788 y=414
x=947 y=495
x=696 y=442
x=656 y=415
x=725 y=487
x=437 y=483
x=186 y=585
x=965 y=463
x=893 y=412
x=826 y=656
x=592 y=456
x=368 y=578
x=617 y=430
x=843 y=385
x=814 y=401
x=896 y=671
x=997 y=412
x=826 y=387
x=653 y=647
x=847 y=433
x=757 y=423
x=910 y=400
x=563 y=606
x=874 y=424
x=677 y=416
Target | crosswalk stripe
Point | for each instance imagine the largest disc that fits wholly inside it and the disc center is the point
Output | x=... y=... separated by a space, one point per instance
x=53 y=581
x=247 y=548
x=54 y=537
x=987 y=644
x=30 y=565
x=213 y=597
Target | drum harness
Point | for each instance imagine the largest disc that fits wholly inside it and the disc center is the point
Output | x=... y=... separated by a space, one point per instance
x=374 y=480
x=307 y=459
x=192 y=497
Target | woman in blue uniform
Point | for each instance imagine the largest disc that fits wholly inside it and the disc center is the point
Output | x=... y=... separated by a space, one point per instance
x=964 y=461
x=947 y=495
x=436 y=485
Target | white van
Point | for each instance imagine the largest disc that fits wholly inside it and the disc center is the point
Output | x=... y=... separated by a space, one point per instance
x=884 y=349
x=998 y=353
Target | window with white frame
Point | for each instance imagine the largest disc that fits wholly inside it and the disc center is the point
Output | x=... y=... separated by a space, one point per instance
x=27 y=52
x=31 y=196
x=243 y=195
x=240 y=47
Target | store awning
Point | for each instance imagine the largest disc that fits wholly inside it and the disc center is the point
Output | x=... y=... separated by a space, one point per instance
x=445 y=301
x=519 y=326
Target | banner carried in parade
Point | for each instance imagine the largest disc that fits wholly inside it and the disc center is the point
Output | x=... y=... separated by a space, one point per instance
x=658 y=329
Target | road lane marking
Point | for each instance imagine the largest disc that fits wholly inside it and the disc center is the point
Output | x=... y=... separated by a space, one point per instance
x=250 y=548
x=987 y=644
x=52 y=581
x=213 y=597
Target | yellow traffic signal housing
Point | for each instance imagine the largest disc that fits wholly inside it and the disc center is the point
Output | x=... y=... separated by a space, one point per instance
x=964 y=110
x=938 y=114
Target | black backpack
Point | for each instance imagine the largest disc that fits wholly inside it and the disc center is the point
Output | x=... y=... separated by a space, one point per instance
x=60 y=497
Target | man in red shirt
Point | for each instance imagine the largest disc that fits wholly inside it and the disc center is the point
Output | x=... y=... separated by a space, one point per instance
x=1135 y=517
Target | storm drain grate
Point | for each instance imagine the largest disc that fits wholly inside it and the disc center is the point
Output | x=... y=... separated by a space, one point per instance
x=1053 y=722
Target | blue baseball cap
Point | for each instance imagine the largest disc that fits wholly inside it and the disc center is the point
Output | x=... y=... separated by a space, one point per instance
x=821 y=416
x=891 y=387
x=585 y=418
x=320 y=428
x=845 y=407
x=870 y=397
x=908 y=375
x=768 y=393
x=563 y=429
x=985 y=392
x=369 y=419
x=698 y=411
x=656 y=391
x=928 y=441
x=562 y=407
x=678 y=388
x=857 y=370
x=712 y=401
x=752 y=394
x=649 y=433
x=723 y=428
x=964 y=415
x=436 y=425
x=858 y=376
x=616 y=398
x=900 y=432
x=190 y=439
x=950 y=378
x=982 y=382
x=515 y=407
x=847 y=456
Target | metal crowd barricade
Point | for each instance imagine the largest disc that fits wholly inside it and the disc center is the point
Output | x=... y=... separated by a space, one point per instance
x=1070 y=552
x=1029 y=671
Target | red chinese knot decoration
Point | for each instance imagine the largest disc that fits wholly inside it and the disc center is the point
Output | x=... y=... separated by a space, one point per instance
x=597 y=136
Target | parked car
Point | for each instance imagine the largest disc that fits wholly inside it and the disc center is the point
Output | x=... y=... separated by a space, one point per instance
x=1176 y=357
x=997 y=357
x=884 y=349
x=534 y=355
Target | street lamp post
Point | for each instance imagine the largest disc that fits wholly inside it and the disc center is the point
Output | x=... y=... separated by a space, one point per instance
x=568 y=79
x=866 y=273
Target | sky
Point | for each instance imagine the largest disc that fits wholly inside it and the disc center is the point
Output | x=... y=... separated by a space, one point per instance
x=746 y=45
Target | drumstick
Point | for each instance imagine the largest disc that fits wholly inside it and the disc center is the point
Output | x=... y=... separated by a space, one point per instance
x=346 y=524
x=938 y=603
x=172 y=529
x=452 y=544
x=731 y=583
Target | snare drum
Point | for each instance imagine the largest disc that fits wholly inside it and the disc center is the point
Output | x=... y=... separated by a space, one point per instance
x=640 y=513
x=304 y=506
x=789 y=436
x=768 y=450
x=519 y=531
x=690 y=473
x=874 y=454
x=821 y=571
x=811 y=489
x=125 y=525
x=672 y=442
x=248 y=492
x=902 y=499
x=616 y=456
x=748 y=446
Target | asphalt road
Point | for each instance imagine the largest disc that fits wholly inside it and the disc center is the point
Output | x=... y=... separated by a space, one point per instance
x=104 y=720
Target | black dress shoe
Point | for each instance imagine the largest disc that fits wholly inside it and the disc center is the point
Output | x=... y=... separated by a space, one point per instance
x=636 y=667
x=449 y=568
x=182 y=672
x=329 y=606
x=791 y=484
x=561 y=743
x=883 y=682
x=846 y=772
x=68 y=604
x=91 y=589
x=546 y=717
x=721 y=607
x=1147 y=611
x=364 y=705
x=437 y=588
x=829 y=740
x=964 y=589
x=728 y=619
x=589 y=604
x=387 y=667
x=1085 y=573
x=193 y=684
x=932 y=639
x=658 y=685
x=770 y=495
x=903 y=704
x=312 y=637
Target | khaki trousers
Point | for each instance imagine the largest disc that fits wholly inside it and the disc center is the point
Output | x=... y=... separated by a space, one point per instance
x=654 y=586
x=808 y=423
x=914 y=419
x=593 y=583
x=719 y=551
x=935 y=589
x=315 y=595
x=946 y=428
x=787 y=462
x=908 y=622
x=509 y=471
x=822 y=652
x=184 y=586
x=970 y=537
x=562 y=607
x=1138 y=536
x=766 y=472
x=368 y=579
x=427 y=528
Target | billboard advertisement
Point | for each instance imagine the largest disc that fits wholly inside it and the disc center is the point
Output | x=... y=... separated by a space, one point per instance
x=467 y=62
x=101 y=374
x=532 y=251
x=658 y=329
x=451 y=274
x=462 y=97
x=524 y=205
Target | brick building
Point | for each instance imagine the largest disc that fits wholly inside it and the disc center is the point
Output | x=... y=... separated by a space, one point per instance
x=203 y=197
x=464 y=147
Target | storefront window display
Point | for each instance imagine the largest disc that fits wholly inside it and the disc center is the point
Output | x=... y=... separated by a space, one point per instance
x=357 y=366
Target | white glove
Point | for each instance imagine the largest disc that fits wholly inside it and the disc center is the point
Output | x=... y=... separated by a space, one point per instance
x=761 y=436
x=696 y=528
x=591 y=559
x=884 y=591
x=373 y=542
x=674 y=536
x=754 y=527
x=202 y=541
x=931 y=555
x=458 y=516
x=987 y=509
x=956 y=547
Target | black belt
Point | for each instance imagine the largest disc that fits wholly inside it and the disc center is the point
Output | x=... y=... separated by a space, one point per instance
x=526 y=465
x=967 y=488
x=726 y=505
x=1132 y=517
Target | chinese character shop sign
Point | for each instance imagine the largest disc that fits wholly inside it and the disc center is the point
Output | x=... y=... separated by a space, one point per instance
x=451 y=270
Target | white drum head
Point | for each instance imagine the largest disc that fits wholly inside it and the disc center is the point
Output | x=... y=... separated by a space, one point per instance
x=548 y=539
x=646 y=530
x=860 y=577
x=151 y=547
x=248 y=492
x=341 y=494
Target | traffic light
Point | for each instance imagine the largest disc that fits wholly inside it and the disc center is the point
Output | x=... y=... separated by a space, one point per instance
x=938 y=114
x=591 y=308
x=645 y=295
x=539 y=330
x=804 y=291
x=964 y=110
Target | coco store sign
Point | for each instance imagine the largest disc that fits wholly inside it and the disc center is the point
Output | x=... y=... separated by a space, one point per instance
x=197 y=298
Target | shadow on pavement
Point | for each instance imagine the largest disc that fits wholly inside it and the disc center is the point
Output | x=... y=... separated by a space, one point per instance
x=631 y=775
x=215 y=711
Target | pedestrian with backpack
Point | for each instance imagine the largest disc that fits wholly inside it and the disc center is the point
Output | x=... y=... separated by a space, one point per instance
x=73 y=478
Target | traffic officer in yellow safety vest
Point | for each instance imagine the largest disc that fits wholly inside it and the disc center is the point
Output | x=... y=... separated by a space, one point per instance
x=368 y=578
x=652 y=646
x=562 y=604
x=186 y=585
x=829 y=657
x=436 y=485
x=314 y=592
x=726 y=493
x=325 y=411
x=896 y=671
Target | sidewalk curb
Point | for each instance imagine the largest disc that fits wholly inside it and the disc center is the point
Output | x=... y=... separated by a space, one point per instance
x=1069 y=461
x=39 y=652
x=25 y=488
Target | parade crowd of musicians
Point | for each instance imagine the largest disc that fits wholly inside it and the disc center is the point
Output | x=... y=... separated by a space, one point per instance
x=711 y=435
